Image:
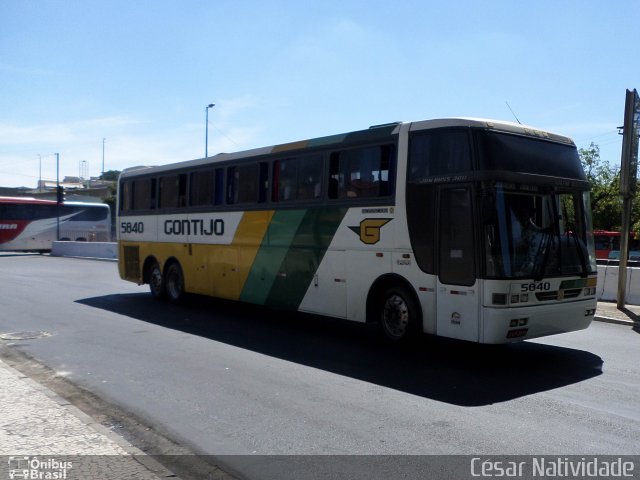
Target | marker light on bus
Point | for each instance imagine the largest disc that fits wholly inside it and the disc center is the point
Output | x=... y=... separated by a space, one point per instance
x=518 y=322
x=499 y=299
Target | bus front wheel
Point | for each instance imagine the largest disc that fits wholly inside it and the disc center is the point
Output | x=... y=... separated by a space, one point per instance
x=398 y=315
x=174 y=283
x=156 y=282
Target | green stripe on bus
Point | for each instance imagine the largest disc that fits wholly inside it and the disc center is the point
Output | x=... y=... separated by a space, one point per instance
x=303 y=258
x=274 y=247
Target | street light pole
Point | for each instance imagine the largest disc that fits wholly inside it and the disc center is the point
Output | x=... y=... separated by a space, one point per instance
x=40 y=174
x=57 y=196
x=103 y=157
x=206 y=129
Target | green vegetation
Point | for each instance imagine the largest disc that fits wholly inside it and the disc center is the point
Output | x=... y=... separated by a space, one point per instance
x=606 y=201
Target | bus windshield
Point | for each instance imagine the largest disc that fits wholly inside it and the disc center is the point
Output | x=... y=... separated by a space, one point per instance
x=533 y=233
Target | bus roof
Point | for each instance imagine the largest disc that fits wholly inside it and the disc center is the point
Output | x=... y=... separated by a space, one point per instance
x=27 y=200
x=370 y=134
x=42 y=201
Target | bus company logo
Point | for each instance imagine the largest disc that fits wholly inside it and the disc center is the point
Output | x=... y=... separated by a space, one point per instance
x=369 y=229
x=8 y=226
x=24 y=467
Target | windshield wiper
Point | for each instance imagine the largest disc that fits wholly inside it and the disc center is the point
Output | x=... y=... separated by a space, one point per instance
x=581 y=251
x=539 y=267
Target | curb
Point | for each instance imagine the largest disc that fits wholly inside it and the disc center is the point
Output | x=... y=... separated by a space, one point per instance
x=617 y=321
x=134 y=453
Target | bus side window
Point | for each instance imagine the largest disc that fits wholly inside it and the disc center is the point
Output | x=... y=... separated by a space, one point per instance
x=287 y=180
x=125 y=196
x=242 y=184
x=201 y=187
x=219 y=188
x=173 y=191
x=334 y=175
x=361 y=172
x=182 y=190
x=439 y=153
x=154 y=188
x=232 y=195
x=142 y=194
x=263 y=183
x=310 y=178
x=297 y=179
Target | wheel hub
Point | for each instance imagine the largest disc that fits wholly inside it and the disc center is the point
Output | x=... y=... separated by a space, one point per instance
x=396 y=315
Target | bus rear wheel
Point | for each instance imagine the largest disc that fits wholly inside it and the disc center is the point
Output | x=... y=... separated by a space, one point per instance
x=156 y=282
x=399 y=315
x=174 y=283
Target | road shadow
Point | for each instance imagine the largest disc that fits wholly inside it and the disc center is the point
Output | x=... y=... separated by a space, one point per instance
x=455 y=372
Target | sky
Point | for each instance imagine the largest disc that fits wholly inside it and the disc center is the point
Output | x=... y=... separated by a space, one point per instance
x=139 y=74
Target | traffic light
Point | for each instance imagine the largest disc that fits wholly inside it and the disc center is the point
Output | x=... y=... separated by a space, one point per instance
x=60 y=194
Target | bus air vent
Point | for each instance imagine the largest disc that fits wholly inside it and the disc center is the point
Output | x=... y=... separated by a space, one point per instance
x=131 y=263
x=558 y=294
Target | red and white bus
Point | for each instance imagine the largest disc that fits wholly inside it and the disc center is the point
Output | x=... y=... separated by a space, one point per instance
x=608 y=245
x=31 y=224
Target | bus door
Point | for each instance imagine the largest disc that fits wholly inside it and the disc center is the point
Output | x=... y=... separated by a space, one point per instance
x=458 y=295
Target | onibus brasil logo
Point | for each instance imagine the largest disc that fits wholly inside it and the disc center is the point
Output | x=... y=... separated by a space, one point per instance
x=24 y=467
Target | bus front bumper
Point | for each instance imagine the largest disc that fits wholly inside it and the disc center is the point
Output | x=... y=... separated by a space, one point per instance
x=506 y=325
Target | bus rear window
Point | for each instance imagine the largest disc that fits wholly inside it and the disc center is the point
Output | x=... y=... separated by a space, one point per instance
x=90 y=214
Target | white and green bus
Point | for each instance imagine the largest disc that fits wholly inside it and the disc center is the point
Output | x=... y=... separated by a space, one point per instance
x=464 y=228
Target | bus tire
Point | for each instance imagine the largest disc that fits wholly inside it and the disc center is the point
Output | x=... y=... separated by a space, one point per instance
x=174 y=283
x=398 y=315
x=156 y=281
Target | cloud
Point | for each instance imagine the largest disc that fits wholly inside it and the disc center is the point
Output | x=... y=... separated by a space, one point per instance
x=58 y=133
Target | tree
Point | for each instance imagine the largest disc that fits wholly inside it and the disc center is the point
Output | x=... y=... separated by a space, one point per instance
x=110 y=175
x=605 y=189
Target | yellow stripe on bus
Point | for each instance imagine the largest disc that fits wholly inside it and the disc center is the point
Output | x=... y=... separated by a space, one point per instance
x=222 y=270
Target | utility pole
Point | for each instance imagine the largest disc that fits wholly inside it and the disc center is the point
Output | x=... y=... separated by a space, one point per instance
x=40 y=174
x=628 y=181
x=103 y=140
x=57 y=196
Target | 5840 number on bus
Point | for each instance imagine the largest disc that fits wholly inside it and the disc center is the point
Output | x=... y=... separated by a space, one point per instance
x=131 y=227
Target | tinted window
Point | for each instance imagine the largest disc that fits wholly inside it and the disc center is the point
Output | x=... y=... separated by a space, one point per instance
x=142 y=194
x=242 y=184
x=219 y=189
x=89 y=214
x=125 y=196
x=202 y=186
x=421 y=214
x=440 y=152
x=501 y=151
x=362 y=172
x=173 y=191
x=457 y=260
x=297 y=179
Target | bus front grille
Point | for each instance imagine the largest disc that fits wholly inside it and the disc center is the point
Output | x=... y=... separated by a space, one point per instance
x=558 y=294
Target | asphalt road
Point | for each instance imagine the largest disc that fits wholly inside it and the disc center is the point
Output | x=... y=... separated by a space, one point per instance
x=229 y=379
